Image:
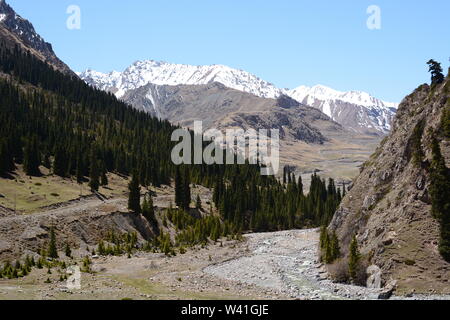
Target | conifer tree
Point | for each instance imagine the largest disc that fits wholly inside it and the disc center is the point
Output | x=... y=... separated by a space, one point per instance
x=134 y=197
x=179 y=189
x=94 y=172
x=32 y=158
x=60 y=164
x=52 y=251
x=148 y=210
x=186 y=191
x=6 y=160
x=437 y=77
x=104 y=178
x=79 y=169
x=440 y=197
x=335 y=249
x=354 y=257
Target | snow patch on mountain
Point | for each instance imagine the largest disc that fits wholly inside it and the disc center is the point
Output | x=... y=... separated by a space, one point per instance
x=356 y=109
x=323 y=93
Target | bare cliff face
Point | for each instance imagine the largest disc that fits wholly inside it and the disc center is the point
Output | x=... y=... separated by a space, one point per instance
x=389 y=205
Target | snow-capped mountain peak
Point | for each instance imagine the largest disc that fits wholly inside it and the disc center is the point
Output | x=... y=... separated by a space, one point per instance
x=325 y=93
x=141 y=73
x=355 y=109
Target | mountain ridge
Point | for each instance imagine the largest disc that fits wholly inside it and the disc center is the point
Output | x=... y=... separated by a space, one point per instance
x=13 y=25
x=367 y=113
x=355 y=110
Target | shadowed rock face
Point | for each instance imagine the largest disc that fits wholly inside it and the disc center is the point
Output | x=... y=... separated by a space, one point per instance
x=20 y=31
x=389 y=207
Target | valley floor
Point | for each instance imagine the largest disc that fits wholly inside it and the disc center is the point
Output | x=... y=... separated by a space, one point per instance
x=280 y=265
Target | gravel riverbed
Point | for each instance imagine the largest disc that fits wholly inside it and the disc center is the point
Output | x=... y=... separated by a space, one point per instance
x=286 y=262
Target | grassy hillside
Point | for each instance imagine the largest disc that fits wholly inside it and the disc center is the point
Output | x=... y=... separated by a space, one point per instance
x=28 y=194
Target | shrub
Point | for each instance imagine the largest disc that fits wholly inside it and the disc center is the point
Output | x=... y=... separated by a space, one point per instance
x=338 y=271
x=445 y=122
x=360 y=276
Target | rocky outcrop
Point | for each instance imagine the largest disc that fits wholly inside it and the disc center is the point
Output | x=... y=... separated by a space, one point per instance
x=17 y=30
x=389 y=207
x=21 y=235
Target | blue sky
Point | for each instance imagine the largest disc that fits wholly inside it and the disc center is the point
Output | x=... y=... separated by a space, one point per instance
x=286 y=42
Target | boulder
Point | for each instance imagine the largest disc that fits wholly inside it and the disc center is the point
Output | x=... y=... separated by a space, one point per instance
x=388 y=290
x=374 y=277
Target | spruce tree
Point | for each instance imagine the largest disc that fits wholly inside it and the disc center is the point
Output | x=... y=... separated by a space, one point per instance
x=60 y=164
x=79 y=169
x=335 y=249
x=148 y=210
x=179 y=189
x=52 y=251
x=353 y=259
x=437 y=77
x=186 y=190
x=134 y=197
x=94 y=172
x=6 y=160
x=32 y=158
x=440 y=197
x=104 y=178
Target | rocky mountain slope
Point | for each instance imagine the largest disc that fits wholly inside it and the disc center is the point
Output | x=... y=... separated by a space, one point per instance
x=355 y=110
x=20 y=31
x=389 y=206
x=221 y=107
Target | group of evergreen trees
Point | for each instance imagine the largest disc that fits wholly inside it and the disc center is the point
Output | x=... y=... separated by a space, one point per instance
x=257 y=203
x=440 y=197
x=353 y=270
x=48 y=258
x=329 y=246
x=73 y=129
x=17 y=270
x=118 y=244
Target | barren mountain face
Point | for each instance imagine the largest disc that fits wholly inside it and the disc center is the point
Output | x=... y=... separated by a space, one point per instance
x=389 y=206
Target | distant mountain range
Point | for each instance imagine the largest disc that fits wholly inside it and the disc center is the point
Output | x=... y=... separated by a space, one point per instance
x=356 y=111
